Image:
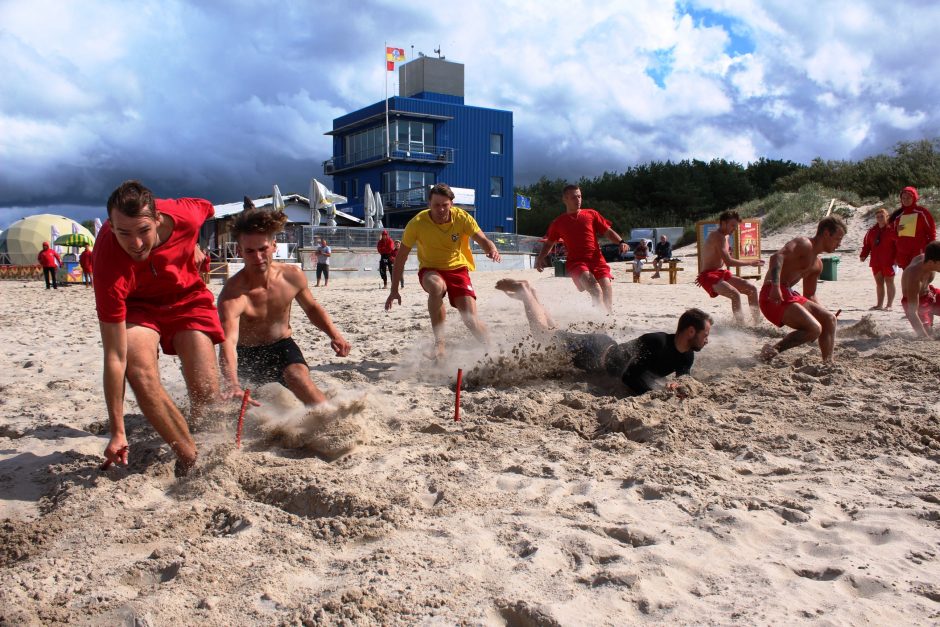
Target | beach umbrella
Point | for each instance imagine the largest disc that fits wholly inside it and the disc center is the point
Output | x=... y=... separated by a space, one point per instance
x=368 y=207
x=277 y=201
x=76 y=239
x=55 y=236
x=97 y=227
x=379 y=211
x=315 y=199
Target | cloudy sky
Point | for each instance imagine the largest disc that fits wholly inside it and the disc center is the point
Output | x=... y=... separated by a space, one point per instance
x=222 y=98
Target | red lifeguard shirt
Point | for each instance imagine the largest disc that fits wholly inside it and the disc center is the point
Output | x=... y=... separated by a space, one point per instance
x=167 y=277
x=580 y=231
x=85 y=261
x=880 y=243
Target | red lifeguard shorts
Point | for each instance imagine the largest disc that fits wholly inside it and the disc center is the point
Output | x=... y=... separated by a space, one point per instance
x=709 y=278
x=885 y=272
x=457 y=283
x=197 y=312
x=774 y=311
x=598 y=269
x=928 y=306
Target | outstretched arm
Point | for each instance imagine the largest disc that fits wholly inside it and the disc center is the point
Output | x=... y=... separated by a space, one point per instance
x=488 y=247
x=318 y=316
x=230 y=312
x=114 y=343
x=398 y=271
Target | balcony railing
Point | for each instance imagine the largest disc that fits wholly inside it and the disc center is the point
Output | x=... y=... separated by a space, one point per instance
x=405 y=198
x=398 y=151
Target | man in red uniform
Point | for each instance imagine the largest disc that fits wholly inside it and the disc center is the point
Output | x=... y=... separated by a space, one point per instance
x=148 y=294
x=881 y=243
x=385 y=248
x=914 y=226
x=85 y=261
x=781 y=305
x=50 y=261
x=581 y=229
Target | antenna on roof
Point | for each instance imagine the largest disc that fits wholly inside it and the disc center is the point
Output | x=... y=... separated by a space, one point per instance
x=437 y=51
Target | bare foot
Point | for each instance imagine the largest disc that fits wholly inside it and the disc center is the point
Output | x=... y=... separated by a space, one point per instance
x=888 y=308
x=437 y=352
x=512 y=287
x=767 y=353
x=876 y=308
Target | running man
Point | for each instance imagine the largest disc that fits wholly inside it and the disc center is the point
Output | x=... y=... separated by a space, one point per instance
x=715 y=276
x=799 y=259
x=149 y=296
x=254 y=308
x=920 y=299
x=442 y=233
x=581 y=229
x=639 y=364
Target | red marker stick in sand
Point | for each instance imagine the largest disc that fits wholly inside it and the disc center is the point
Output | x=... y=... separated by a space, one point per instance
x=838 y=312
x=241 y=419
x=457 y=402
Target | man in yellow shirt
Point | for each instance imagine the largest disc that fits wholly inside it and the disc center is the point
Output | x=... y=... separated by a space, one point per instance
x=443 y=233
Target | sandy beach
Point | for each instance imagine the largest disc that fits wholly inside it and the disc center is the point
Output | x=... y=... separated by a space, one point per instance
x=780 y=493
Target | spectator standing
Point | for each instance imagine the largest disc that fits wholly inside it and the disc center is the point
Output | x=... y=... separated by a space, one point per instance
x=880 y=243
x=50 y=261
x=85 y=261
x=324 y=253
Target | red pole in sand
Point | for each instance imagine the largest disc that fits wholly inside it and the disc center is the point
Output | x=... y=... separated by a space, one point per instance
x=838 y=312
x=241 y=419
x=457 y=403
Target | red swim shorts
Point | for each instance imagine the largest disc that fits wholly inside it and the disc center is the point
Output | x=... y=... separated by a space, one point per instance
x=195 y=312
x=774 y=311
x=457 y=282
x=928 y=306
x=598 y=269
x=885 y=272
x=709 y=278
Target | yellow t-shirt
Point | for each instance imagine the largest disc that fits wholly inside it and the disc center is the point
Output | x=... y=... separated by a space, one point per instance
x=442 y=246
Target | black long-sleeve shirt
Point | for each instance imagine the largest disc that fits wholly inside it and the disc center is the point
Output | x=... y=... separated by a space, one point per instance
x=649 y=357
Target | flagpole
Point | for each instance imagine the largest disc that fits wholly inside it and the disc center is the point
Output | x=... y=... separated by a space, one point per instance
x=387 y=140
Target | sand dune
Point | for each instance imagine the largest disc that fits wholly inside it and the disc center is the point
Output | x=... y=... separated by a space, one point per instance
x=774 y=493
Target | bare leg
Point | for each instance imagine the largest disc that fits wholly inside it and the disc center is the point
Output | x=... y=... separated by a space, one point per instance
x=587 y=283
x=807 y=330
x=879 y=290
x=607 y=294
x=657 y=265
x=297 y=378
x=745 y=287
x=143 y=375
x=889 y=287
x=434 y=285
x=827 y=321
x=200 y=370
x=540 y=323
x=467 y=306
x=725 y=289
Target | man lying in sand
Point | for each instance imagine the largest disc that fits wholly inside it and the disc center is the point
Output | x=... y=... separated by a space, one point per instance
x=149 y=296
x=442 y=233
x=715 y=275
x=799 y=259
x=638 y=364
x=254 y=308
x=920 y=299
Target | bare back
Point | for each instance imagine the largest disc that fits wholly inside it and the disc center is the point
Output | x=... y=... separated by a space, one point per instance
x=714 y=251
x=914 y=279
x=263 y=311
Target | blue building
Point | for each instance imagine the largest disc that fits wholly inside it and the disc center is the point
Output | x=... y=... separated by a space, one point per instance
x=431 y=137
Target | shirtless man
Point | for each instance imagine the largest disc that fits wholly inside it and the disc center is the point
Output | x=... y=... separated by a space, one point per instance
x=254 y=308
x=149 y=297
x=921 y=300
x=799 y=259
x=581 y=229
x=715 y=276
x=638 y=364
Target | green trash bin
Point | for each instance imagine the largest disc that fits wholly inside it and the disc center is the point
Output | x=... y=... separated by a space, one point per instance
x=560 y=268
x=830 y=269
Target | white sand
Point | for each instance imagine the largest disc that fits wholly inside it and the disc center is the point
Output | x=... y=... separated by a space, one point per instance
x=781 y=493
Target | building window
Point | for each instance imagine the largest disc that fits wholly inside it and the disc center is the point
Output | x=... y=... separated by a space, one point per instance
x=496 y=186
x=408 y=136
x=406 y=186
x=496 y=144
x=353 y=188
x=365 y=145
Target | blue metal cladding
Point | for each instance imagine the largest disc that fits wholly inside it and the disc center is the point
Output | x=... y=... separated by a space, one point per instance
x=468 y=132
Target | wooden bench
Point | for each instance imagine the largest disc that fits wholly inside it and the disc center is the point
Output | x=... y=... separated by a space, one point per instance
x=670 y=266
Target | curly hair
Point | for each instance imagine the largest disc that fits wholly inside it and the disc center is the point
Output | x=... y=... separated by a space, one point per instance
x=258 y=221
